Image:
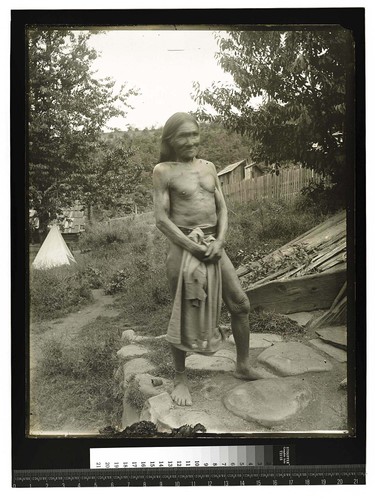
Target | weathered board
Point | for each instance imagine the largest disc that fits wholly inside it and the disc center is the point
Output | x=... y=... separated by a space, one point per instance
x=306 y=293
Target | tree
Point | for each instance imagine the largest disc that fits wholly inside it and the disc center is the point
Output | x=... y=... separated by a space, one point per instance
x=301 y=79
x=68 y=108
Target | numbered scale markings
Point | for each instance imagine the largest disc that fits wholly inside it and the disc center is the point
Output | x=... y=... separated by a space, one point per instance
x=193 y=476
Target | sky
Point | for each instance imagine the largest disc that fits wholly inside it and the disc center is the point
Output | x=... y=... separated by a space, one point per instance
x=162 y=64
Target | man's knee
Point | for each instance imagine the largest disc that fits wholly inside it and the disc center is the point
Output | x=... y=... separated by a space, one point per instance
x=239 y=304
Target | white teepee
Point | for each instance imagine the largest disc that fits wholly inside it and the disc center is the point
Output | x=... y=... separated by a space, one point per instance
x=54 y=252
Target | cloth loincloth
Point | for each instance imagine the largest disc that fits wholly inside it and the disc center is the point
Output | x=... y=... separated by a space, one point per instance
x=194 y=322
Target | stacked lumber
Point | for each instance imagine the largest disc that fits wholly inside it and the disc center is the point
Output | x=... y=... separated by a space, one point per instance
x=318 y=250
x=336 y=315
x=306 y=274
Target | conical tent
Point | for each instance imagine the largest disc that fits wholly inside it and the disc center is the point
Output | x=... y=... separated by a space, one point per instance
x=54 y=252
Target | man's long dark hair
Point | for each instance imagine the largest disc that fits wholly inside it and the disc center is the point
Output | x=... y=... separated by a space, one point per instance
x=167 y=153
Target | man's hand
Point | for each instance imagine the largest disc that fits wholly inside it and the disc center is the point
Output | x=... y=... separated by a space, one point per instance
x=213 y=252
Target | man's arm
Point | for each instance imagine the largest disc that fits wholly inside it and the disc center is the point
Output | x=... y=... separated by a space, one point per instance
x=162 y=209
x=214 y=250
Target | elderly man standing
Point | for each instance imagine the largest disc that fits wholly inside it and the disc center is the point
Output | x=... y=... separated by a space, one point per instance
x=190 y=210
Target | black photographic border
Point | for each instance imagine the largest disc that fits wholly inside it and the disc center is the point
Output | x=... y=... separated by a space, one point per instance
x=73 y=453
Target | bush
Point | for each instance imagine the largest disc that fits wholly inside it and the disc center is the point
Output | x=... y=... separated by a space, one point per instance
x=55 y=292
x=93 y=277
x=320 y=198
x=259 y=228
x=117 y=282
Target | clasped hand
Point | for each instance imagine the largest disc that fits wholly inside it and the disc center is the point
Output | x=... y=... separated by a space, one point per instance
x=212 y=253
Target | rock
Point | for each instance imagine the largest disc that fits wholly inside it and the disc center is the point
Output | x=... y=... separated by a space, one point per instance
x=131 y=336
x=292 y=358
x=135 y=366
x=268 y=402
x=331 y=350
x=156 y=407
x=128 y=335
x=183 y=415
x=221 y=361
x=262 y=372
x=130 y=414
x=344 y=384
x=260 y=340
x=131 y=351
x=302 y=318
x=335 y=335
x=148 y=389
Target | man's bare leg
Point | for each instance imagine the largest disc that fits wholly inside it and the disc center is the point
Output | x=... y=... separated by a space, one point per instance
x=180 y=394
x=241 y=335
x=239 y=307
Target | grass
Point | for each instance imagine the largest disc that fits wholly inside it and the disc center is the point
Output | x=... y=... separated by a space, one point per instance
x=57 y=291
x=74 y=386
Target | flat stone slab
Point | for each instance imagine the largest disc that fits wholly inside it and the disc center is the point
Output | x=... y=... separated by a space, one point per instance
x=302 y=318
x=167 y=416
x=268 y=402
x=151 y=386
x=135 y=366
x=263 y=372
x=293 y=358
x=156 y=407
x=222 y=361
x=180 y=415
x=131 y=351
x=260 y=340
x=131 y=336
x=335 y=335
x=334 y=352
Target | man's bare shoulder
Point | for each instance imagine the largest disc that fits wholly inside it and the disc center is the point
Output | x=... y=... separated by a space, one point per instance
x=207 y=164
x=162 y=168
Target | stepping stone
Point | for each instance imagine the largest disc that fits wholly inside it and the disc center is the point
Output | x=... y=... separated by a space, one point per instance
x=331 y=350
x=335 y=335
x=263 y=372
x=156 y=406
x=268 y=402
x=131 y=351
x=180 y=415
x=260 y=340
x=128 y=335
x=151 y=386
x=135 y=366
x=167 y=416
x=302 y=318
x=293 y=358
x=217 y=362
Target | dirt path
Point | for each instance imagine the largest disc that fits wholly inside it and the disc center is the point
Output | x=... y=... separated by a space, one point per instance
x=70 y=325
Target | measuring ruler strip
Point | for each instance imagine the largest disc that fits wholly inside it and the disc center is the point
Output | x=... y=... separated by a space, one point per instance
x=188 y=456
x=195 y=476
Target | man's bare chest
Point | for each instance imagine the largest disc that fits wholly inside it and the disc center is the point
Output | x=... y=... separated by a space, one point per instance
x=189 y=182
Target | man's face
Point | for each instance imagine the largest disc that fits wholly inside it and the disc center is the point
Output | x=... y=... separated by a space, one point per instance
x=185 y=141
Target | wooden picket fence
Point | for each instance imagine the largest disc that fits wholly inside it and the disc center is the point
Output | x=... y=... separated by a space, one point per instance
x=285 y=186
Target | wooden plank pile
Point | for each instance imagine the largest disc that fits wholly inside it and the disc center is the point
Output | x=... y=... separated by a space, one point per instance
x=306 y=274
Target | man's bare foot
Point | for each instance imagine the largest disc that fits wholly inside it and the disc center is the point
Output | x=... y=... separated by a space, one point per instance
x=244 y=372
x=181 y=394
